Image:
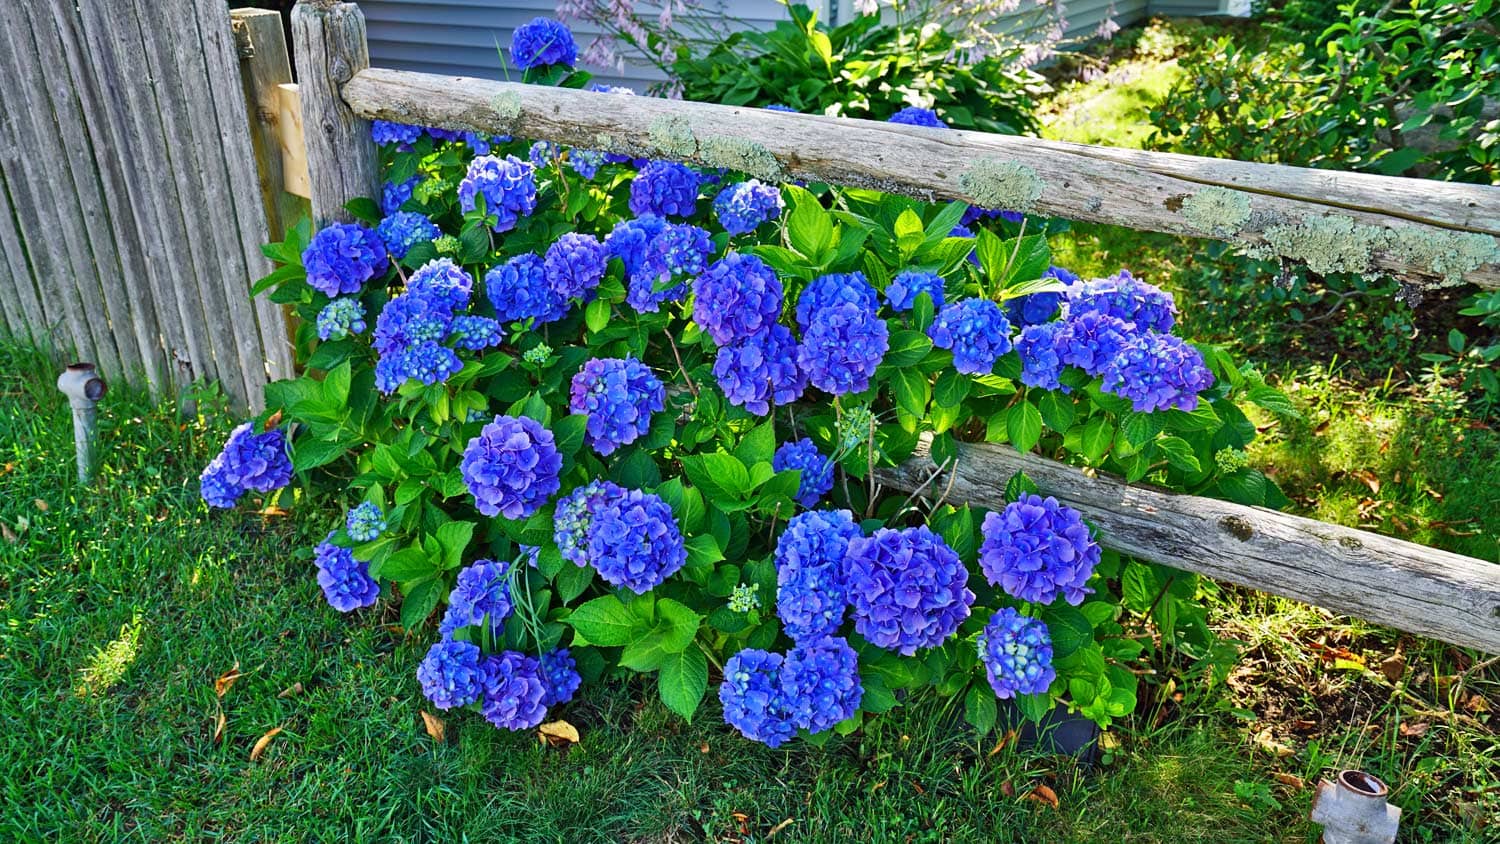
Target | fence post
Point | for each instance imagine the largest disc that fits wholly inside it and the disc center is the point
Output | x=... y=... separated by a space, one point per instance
x=329 y=39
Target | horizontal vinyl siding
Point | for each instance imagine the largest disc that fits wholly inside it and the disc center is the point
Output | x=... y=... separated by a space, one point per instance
x=1193 y=8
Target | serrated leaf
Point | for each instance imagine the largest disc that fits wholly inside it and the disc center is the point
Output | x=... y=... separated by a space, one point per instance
x=411 y=563
x=907 y=348
x=606 y=621
x=1023 y=425
x=1273 y=400
x=1097 y=435
x=682 y=681
x=1057 y=411
x=419 y=602
x=1179 y=453
x=980 y=709
x=1069 y=628
x=596 y=315
x=678 y=625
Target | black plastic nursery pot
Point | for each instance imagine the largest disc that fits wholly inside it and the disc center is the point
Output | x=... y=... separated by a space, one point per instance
x=1060 y=732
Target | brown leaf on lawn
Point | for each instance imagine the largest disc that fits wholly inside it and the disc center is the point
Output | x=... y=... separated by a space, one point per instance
x=435 y=726
x=779 y=827
x=221 y=685
x=1290 y=780
x=1044 y=794
x=262 y=743
x=703 y=747
x=1477 y=703
x=10 y=535
x=293 y=689
x=219 y=727
x=41 y=505
x=557 y=733
x=1393 y=667
x=1270 y=745
x=1007 y=789
x=1005 y=740
x=1414 y=729
x=1370 y=479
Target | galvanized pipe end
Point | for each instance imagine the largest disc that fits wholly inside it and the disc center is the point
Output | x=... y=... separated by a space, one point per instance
x=81 y=383
x=1353 y=809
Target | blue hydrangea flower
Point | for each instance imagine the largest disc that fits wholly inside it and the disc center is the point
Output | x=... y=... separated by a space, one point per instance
x=780 y=107
x=403 y=230
x=519 y=291
x=585 y=162
x=542 y=42
x=388 y=132
x=1017 y=654
x=1038 y=550
x=346 y=582
x=542 y=154
x=743 y=206
x=440 y=134
x=634 y=541
x=365 y=522
x=407 y=320
x=480 y=143
x=340 y=318
x=427 y=362
x=666 y=189
x=481 y=591
x=507 y=185
x=514 y=690
x=1147 y=307
x=753 y=700
x=602 y=88
x=1091 y=340
x=761 y=370
x=1063 y=275
x=977 y=332
x=474 y=333
x=452 y=674
x=442 y=281
x=249 y=461
x=630 y=241
x=909 y=590
x=394 y=194
x=811 y=589
x=901 y=293
x=974 y=214
x=512 y=467
x=559 y=677
x=842 y=347
x=1157 y=371
x=574 y=516
x=1038 y=308
x=1041 y=362
x=342 y=257
x=835 y=289
x=914 y=116
x=678 y=251
x=215 y=488
x=736 y=297
x=820 y=682
x=817 y=470
x=618 y=395
x=574 y=265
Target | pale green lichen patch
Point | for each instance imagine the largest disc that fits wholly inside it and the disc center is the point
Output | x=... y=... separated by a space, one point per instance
x=1449 y=255
x=743 y=155
x=1008 y=185
x=507 y=107
x=1217 y=211
x=1333 y=244
x=673 y=136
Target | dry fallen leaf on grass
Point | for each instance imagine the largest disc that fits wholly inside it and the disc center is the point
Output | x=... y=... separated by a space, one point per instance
x=1290 y=780
x=221 y=685
x=41 y=505
x=1005 y=740
x=435 y=726
x=1007 y=789
x=10 y=535
x=273 y=420
x=219 y=727
x=1044 y=794
x=262 y=743
x=1410 y=729
x=293 y=689
x=557 y=733
x=779 y=827
x=1393 y=667
x=1270 y=745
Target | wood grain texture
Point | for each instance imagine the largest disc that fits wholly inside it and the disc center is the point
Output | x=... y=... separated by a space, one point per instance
x=329 y=39
x=23 y=310
x=1400 y=584
x=1138 y=190
x=293 y=143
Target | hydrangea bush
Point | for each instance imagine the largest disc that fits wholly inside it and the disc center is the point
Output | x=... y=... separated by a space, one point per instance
x=628 y=417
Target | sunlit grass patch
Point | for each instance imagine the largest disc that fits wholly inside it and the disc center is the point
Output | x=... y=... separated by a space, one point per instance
x=109 y=662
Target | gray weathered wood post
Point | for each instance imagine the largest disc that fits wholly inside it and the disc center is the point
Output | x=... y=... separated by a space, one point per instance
x=329 y=42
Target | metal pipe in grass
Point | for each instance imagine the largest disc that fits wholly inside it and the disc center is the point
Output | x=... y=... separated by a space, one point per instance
x=81 y=383
x=1353 y=810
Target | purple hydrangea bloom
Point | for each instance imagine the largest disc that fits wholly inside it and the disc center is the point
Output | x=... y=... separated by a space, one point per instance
x=817 y=470
x=542 y=154
x=909 y=590
x=452 y=674
x=630 y=241
x=1037 y=308
x=215 y=487
x=1041 y=363
x=481 y=591
x=575 y=515
x=518 y=289
x=585 y=162
x=1146 y=306
x=365 y=522
x=440 y=134
x=250 y=461
x=394 y=194
x=410 y=319
x=761 y=370
x=820 y=681
x=346 y=582
x=901 y=293
x=559 y=676
x=736 y=297
x=753 y=699
x=473 y=333
x=574 y=265
x=403 y=230
x=1038 y=550
x=977 y=332
x=835 y=289
x=340 y=318
x=780 y=107
x=1157 y=371
x=388 y=132
x=743 y=206
x=665 y=188
x=342 y=257
x=678 y=251
x=914 y=116
x=427 y=362
x=1063 y=275
x=634 y=541
x=542 y=42
x=811 y=589
x=618 y=395
x=1091 y=340
x=481 y=143
x=507 y=185
x=512 y=467
x=444 y=282
x=514 y=691
x=973 y=215
x=1017 y=654
x=842 y=347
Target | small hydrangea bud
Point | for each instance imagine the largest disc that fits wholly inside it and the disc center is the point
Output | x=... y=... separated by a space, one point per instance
x=537 y=355
x=744 y=599
x=1231 y=460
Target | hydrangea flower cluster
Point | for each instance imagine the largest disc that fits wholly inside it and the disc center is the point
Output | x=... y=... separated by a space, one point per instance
x=585 y=162
x=1038 y=550
x=507 y=186
x=817 y=470
x=248 y=461
x=915 y=116
x=842 y=346
x=389 y=132
x=559 y=676
x=514 y=691
x=974 y=214
x=811 y=588
x=474 y=333
x=1090 y=340
x=1037 y=308
x=744 y=598
x=743 y=206
x=341 y=257
x=835 y=289
x=977 y=332
x=1147 y=307
x=666 y=189
x=633 y=540
x=679 y=250
x=519 y=291
x=340 y=318
x=753 y=700
x=426 y=362
x=618 y=395
x=908 y=588
x=403 y=230
x=1041 y=362
x=394 y=194
x=542 y=42
x=1158 y=371
x=542 y=154
x=345 y=581
x=630 y=241
x=512 y=467
x=1017 y=654
x=768 y=697
x=761 y=370
x=736 y=297
x=452 y=673
x=575 y=515
x=443 y=282
x=410 y=319
x=901 y=294
x=365 y=522
x=481 y=591
x=574 y=266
